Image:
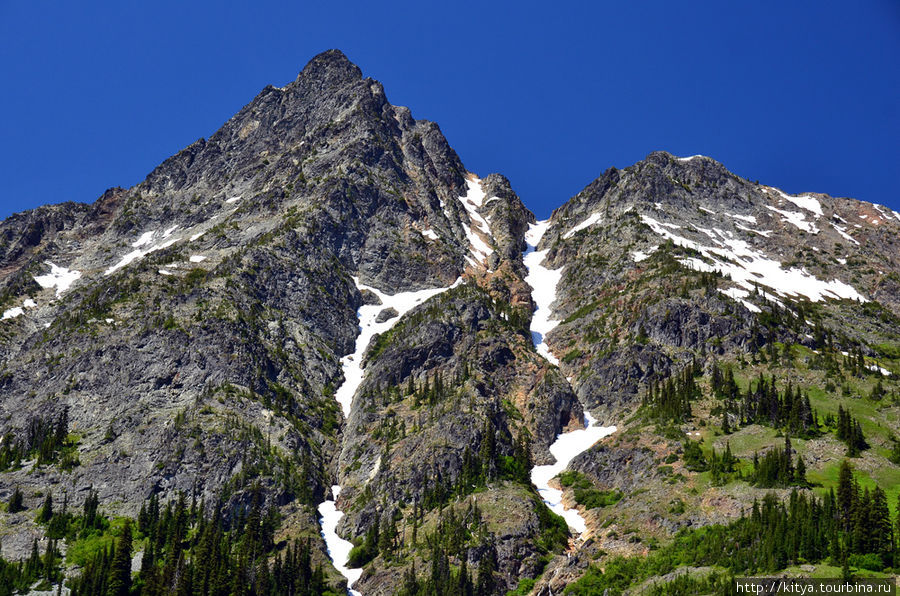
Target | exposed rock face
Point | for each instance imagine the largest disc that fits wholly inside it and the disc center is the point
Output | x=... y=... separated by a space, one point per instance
x=193 y=326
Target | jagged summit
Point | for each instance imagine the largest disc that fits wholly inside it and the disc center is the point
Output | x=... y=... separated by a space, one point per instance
x=328 y=68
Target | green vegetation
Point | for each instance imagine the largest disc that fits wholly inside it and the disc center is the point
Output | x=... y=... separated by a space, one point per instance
x=762 y=403
x=572 y=356
x=585 y=493
x=45 y=438
x=189 y=551
x=670 y=401
x=854 y=522
x=790 y=411
x=523 y=588
x=777 y=469
x=453 y=536
x=487 y=465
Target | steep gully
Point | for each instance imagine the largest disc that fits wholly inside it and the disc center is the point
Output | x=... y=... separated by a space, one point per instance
x=402 y=302
x=543 y=282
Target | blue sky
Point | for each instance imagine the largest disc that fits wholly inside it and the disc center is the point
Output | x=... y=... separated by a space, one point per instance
x=800 y=95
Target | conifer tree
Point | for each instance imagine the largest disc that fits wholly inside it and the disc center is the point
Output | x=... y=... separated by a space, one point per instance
x=15 y=501
x=46 y=512
x=119 y=582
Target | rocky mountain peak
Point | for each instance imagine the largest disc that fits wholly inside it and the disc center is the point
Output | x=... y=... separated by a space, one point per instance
x=331 y=68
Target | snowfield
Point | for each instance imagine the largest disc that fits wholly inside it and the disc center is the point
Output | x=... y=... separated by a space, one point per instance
x=566 y=447
x=338 y=548
x=59 y=278
x=471 y=202
x=543 y=282
x=749 y=268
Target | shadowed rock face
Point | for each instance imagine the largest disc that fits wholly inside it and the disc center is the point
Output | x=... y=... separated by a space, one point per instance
x=192 y=326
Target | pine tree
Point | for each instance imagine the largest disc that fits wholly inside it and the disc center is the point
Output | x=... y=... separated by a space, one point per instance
x=881 y=529
x=846 y=494
x=15 y=501
x=387 y=536
x=119 y=582
x=46 y=512
x=487 y=453
x=800 y=472
x=486 y=567
x=91 y=503
x=33 y=563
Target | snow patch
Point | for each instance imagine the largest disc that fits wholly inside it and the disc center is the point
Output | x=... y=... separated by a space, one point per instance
x=763 y=233
x=884 y=215
x=164 y=272
x=138 y=254
x=338 y=548
x=807 y=202
x=351 y=364
x=12 y=313
x=543 y=282
x=233 y=200
x=197 y=258
x=565 y=448
x=712 y=234
x=880 y=369
x=689 y=158
x=741 y=296
x=748 y=267
x=639 y=256
x=591 y=220
x=747 y=218
x=471 y=202
x=196 y=236
x=429 y=234
x=144 y=238
x=29 y=303
x=59 y=277
x=796 y=219
x=843 y=232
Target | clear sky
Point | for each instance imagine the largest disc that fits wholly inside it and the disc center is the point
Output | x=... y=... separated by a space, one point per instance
x=800 y=95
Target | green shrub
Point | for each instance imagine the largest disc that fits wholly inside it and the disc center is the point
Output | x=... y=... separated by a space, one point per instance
x=523 y=589
x=870 y=561
x=592 y=498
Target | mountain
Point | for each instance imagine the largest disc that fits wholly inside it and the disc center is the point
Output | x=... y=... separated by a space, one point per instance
x=317 y=331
